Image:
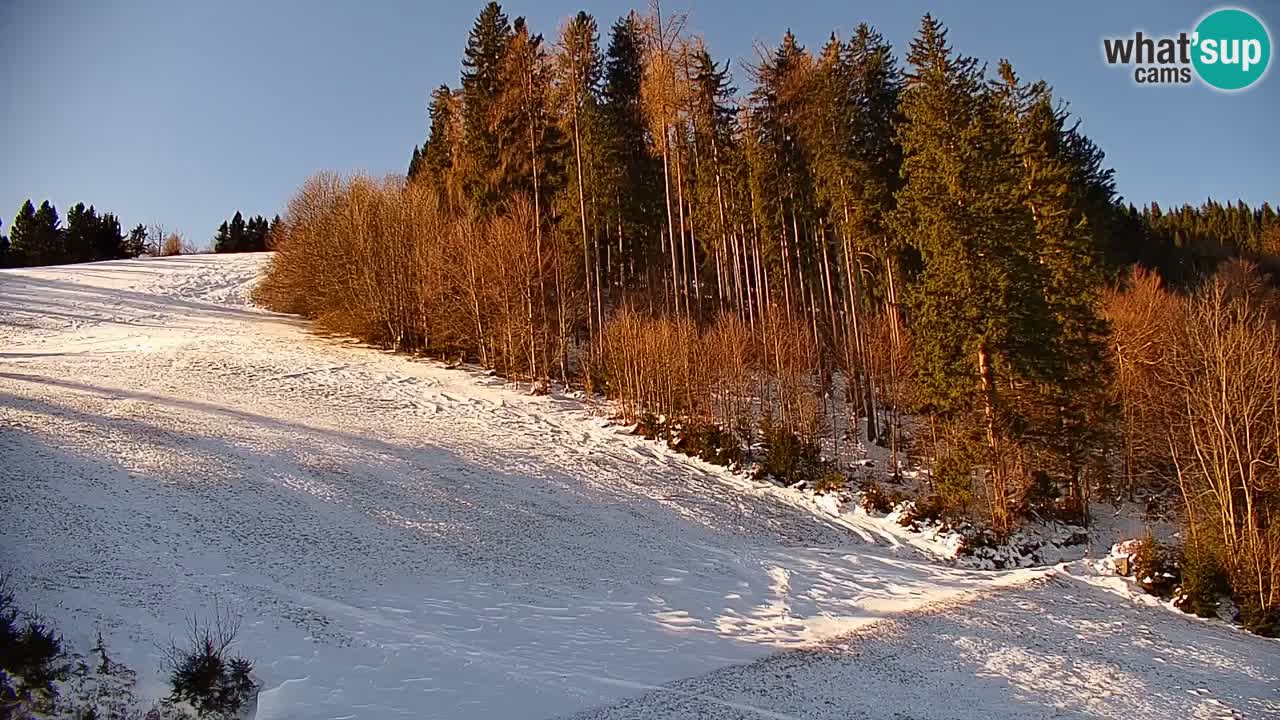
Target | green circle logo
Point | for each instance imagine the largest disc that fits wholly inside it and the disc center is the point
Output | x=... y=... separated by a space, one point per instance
x=1231 y=49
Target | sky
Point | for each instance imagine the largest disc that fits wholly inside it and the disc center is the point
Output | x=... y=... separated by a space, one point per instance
x=181 y=113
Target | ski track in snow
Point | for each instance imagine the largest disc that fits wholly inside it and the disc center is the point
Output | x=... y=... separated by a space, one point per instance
x=407 y=540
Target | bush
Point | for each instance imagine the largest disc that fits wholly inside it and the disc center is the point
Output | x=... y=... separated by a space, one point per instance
x=1156 y=567
x=927 y=510
x=874 y=498
x=102 y=689
x=975 y=539
x=174 y=244
x=789 y=459
x=950 y=498
x=831 y=481
x=1259 y=620
x=709 y=442
x=31 y=657
x=650 y=427
x=1203 y=581
x=1041 y=497
x=205 y=675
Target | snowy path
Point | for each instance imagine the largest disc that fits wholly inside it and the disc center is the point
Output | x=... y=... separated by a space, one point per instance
x=1051 y=649
x=408 y=540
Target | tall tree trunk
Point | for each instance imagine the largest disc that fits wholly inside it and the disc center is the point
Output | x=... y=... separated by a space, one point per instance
x=688 y=253
x=582 y=213
x=671 y=228
x=537 y=209
x=999 y=501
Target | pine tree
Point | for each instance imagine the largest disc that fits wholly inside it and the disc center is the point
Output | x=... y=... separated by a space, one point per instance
x=436 y=163
x=781 y=179
x=82 y=229
x=485 y=139
x=4 y=249
x=629 y=181
x=1073 y=366
x=578 y=78
x=977 y=304
x=136 y=243
x=108 y=240
x=415 y=164
x=236 y=234
x=222 y=241
x=40 y=239
x=23 y=237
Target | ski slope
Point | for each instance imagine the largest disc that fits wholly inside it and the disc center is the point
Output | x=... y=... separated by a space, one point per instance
x=407 y=540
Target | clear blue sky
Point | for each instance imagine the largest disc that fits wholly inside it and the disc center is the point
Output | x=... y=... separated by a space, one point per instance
x=183 y=112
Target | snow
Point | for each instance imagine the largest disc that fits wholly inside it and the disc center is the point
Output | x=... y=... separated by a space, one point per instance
x=405 y=539
x=1087 y=657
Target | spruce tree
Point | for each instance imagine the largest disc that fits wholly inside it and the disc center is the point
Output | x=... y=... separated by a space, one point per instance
x=436 y=162
x=976 y=305
x=236 y=234
x=273 y=233
x=82 y=229
x=414 y=164
x=781 y=179
x=630 y=178
x=876 y=90
x=108 y=240
x=713 y=120
x=578 y=66
x=222 y=241
x=484 y=139
x=1071 y=418
x=529 y=143
x=4 y=248
x=23 y=237
x=46 y=244
x=136 y=243
x=255 y=235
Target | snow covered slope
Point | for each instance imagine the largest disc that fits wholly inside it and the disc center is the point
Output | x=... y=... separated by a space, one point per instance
x=402 y=539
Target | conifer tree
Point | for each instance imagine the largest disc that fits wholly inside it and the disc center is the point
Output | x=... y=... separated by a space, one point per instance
x=136 y=243
x=630 y=178
x=23 y=236
x=273 y=233
x=414 y=164
x=712 y=117
x=662 y=99
x=80 y=234
x=578 y=78
x=222 y=241
x=485 y=139
x=977 y=304
x=436 y=161
x=521 y=113
x=781 y=179
x=1073 y=368
x=4 y=248
x=108 y=240
x=37 y=236
x=236 y=233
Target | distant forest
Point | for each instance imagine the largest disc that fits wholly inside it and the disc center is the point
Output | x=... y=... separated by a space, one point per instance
x=918 y=250
x=38 y=237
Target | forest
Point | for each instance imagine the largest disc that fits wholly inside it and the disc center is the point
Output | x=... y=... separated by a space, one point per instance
x=921 y=251
x=38 y=237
